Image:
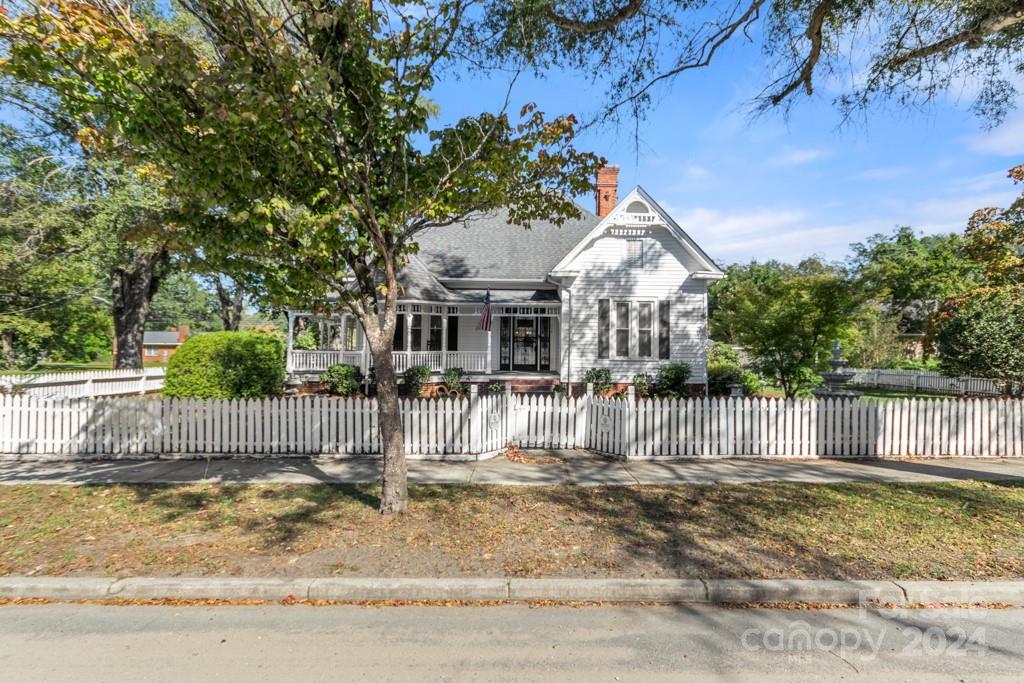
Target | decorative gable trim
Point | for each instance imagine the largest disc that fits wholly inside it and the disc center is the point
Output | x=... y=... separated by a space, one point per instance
x=625 y=221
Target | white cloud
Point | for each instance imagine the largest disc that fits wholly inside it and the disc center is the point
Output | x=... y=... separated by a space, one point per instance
x=1006 y=140
x=737 y=234
x=695 y=172
x=798 y=157
x=882 y=173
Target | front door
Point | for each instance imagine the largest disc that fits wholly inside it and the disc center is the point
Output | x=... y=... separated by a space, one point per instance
x=524 y=344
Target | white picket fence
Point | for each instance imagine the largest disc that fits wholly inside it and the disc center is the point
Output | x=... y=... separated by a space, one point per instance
x=88 y=383
x=481 y=424
x=926 y=381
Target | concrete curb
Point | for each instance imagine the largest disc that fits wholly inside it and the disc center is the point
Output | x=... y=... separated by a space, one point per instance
x=681 y=591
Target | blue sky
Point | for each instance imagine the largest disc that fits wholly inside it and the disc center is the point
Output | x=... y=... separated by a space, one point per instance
x=776 y=188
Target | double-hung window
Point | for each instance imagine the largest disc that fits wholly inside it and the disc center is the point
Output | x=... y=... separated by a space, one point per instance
x=622 y=329
x=645 y=328
x=630 y=329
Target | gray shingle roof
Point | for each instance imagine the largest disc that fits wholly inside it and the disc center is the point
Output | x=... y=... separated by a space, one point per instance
x=488 y=246
x=160 y=338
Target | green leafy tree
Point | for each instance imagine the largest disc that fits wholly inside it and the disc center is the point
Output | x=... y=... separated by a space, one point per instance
x=303 y=143
x=912 y=275
x=182 y=300
x=47 y=282
x=980 y=336
x=746 y=276
x=786 y=320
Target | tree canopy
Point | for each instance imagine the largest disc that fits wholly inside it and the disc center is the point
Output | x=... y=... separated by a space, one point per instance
x=901 y=52
x=912 y=275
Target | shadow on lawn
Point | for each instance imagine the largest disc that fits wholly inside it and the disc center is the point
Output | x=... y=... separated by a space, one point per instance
x=292 y=510
x=281 y=513
x=826 y=531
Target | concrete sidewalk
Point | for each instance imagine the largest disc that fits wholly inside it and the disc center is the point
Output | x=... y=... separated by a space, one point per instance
x=568 y=467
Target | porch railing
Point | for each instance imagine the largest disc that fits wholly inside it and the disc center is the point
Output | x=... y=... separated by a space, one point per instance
x=318 y=361
x=437 y=361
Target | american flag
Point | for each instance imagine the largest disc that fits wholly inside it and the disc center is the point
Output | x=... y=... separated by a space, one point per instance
x=485 y=315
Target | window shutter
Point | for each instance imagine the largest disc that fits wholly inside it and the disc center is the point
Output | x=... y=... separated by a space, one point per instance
x=603 y=325
x=664 y=330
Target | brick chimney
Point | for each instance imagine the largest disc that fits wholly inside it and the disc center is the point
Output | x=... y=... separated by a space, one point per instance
x=182 y=333
x=607 y=187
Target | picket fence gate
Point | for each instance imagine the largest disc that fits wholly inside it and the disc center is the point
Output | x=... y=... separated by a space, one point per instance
x=478 y=424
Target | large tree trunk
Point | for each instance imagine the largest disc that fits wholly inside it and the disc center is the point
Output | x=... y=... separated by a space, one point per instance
x=10 y=360
x=133 y=288
x=394 y=497
x=231 y=304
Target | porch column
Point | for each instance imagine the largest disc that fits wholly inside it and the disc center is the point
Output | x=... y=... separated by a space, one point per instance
x=291 y=329
x=408 y=340
x=444 y=342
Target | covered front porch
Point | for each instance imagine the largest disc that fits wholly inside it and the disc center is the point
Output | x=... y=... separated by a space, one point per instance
x=522 y=340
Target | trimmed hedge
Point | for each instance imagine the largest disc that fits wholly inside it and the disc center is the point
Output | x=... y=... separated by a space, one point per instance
x=226 y=365
x=673 y=380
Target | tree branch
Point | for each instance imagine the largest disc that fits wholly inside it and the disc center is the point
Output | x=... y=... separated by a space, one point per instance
x=627 y=11
x=972 y=37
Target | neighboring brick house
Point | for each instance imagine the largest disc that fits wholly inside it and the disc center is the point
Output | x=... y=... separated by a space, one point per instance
x=157 y=347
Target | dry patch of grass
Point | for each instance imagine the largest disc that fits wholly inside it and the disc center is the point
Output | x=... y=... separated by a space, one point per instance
x=963 y=530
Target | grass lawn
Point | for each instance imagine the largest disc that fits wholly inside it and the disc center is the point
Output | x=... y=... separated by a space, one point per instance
x=969 y=530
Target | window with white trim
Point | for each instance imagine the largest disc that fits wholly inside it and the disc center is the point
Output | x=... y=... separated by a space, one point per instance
x=635 y=253
x=622 y=329
x=616 y=321
x=645 y=328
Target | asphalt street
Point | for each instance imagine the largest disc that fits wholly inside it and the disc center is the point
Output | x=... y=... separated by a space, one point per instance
x=67 y=642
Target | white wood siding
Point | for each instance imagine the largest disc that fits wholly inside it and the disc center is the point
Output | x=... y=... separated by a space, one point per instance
x=666 y=275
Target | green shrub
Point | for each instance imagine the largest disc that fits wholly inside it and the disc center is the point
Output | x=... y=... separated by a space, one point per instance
x=452 y=378
x=342 y=379
x=226 y=365
x=721 y=353
x=305 y=341
x=494 y=388
x=414 y=378
x=643 y=384
x=932 y=364
x=560 y=388
x=722 y=375
x=601 y=378
x=673 y=380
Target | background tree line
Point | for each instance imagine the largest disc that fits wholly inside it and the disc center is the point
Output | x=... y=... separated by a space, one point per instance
x=957 y=298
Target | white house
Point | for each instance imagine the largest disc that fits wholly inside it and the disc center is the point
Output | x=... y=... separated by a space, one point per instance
x=623 y=289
